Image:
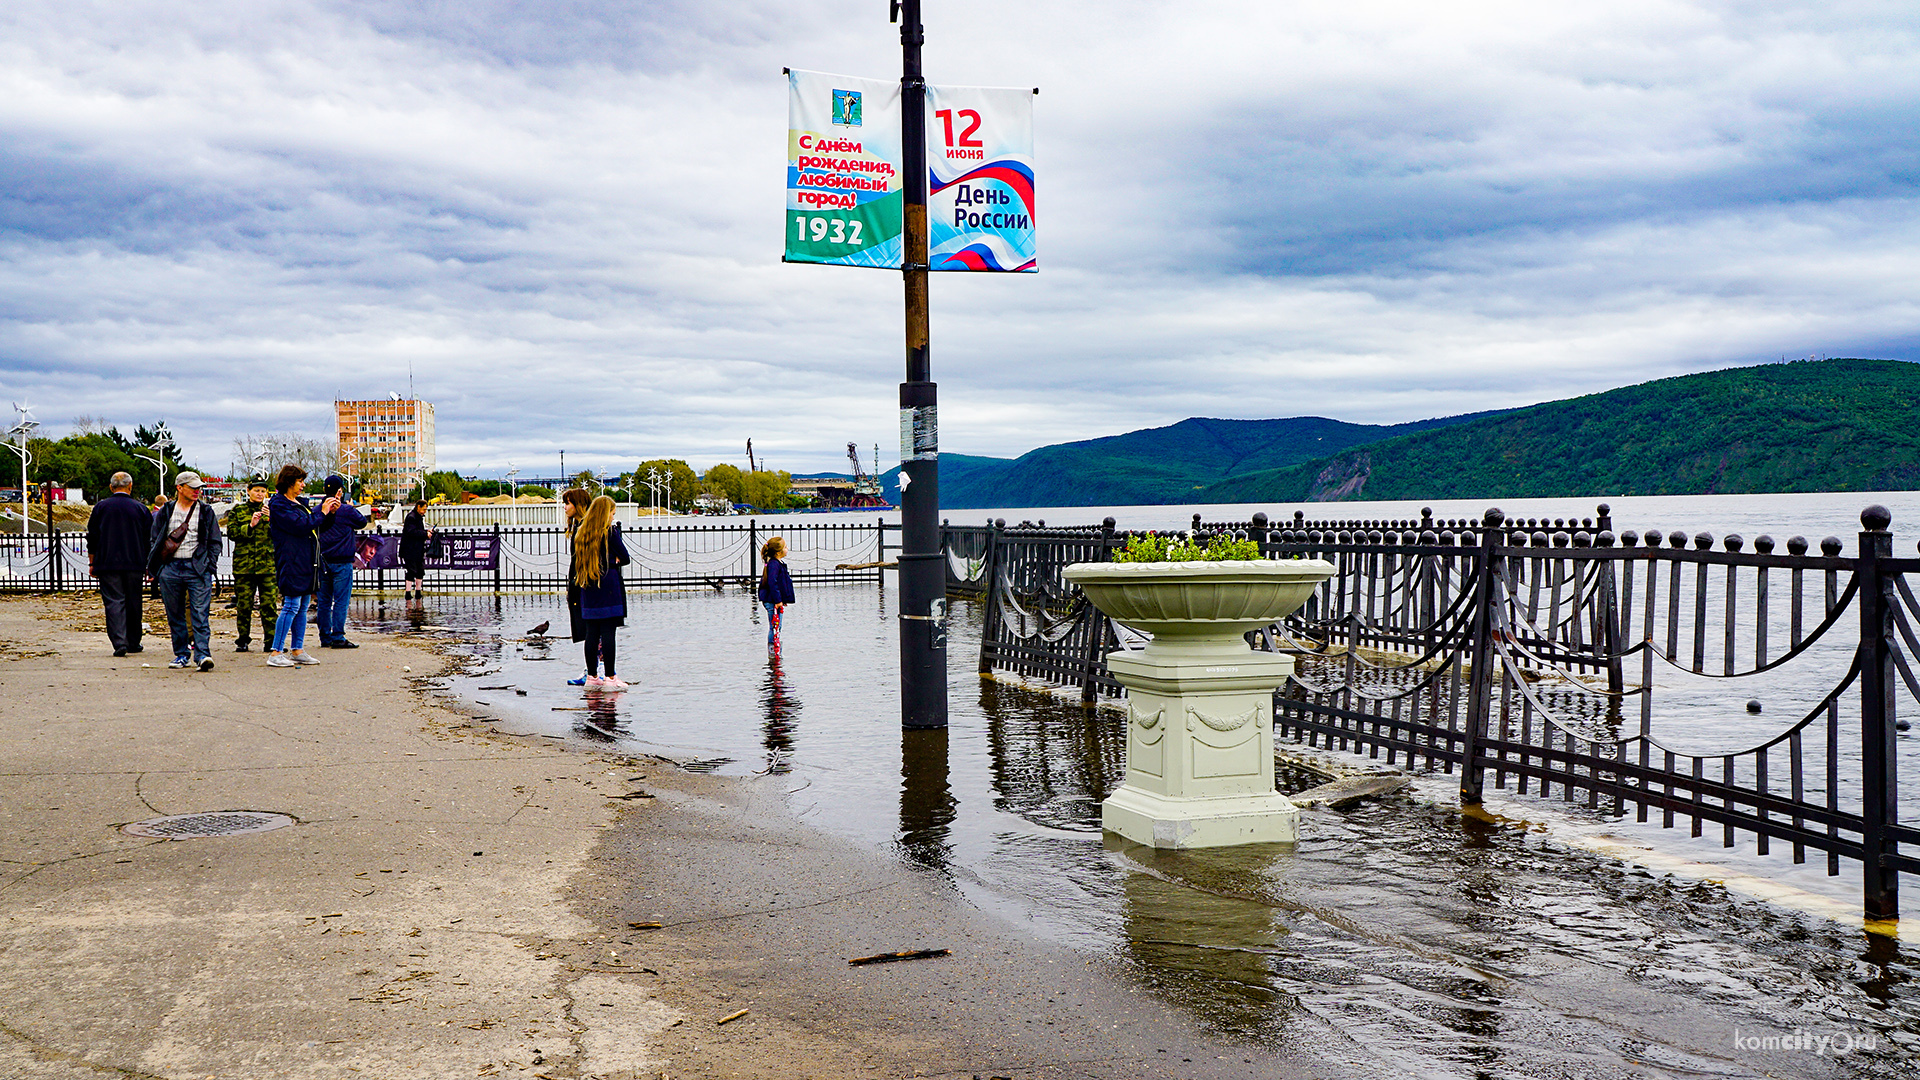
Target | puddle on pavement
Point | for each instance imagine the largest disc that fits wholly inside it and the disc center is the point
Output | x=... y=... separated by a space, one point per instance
x=1402 y=935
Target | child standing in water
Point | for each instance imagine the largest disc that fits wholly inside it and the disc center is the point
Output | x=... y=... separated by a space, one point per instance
x=598 y=555
x=776 y=588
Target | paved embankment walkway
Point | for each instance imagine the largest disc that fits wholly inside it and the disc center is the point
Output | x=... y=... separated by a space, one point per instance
x=454 y=902
x=402 y=928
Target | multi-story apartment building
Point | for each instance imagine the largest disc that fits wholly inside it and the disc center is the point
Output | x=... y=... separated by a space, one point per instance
x=389 y=441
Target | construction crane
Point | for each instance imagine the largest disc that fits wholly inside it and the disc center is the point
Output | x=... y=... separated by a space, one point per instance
x=751 y=467
x=866 y=487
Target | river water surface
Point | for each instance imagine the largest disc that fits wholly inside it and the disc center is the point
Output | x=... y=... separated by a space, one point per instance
x=1439 y=944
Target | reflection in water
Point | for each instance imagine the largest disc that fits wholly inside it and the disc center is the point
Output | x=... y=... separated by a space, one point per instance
x=927 y=805
x=781 y=709
x=1054 y=761
x=1207 y=950
x=601 y=721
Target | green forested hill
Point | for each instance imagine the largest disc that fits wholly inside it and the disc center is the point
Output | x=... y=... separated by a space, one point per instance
x=1157 y=465
x=1825 y=425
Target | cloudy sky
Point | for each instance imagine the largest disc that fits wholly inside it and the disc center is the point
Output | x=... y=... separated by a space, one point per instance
x=565 y=217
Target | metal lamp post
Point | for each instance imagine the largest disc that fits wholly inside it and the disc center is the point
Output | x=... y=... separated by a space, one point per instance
x=513 y=491
x=923 y=583
x=20 y=432
x=656 y=486
x=162 y=442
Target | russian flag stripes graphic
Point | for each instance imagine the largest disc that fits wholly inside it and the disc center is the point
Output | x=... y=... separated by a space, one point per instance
x=987 y=249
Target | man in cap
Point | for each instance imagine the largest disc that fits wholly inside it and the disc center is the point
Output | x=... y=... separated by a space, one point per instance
x=253 y=566
x=332 y=592
x=183 y=552
x=117 y=531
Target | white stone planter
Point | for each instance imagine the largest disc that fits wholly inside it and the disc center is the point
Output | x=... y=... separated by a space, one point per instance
x=1199 y=700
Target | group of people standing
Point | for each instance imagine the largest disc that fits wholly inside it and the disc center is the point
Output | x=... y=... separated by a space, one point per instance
x=287 y=554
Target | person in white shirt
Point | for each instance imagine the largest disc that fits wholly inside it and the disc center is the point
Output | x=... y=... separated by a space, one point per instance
x=183 y=552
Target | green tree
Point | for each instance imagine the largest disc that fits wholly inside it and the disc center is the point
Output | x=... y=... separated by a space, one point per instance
x=768 y=490
x=728 y=482
x=444 y=482
x=88 y=461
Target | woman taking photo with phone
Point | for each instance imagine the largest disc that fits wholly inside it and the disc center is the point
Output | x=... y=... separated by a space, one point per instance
x=598 y=555
x=296 y=552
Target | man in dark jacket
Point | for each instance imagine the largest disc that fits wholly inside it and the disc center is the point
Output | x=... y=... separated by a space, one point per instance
x=185 y=553
x=332 y=591
x=117 y=532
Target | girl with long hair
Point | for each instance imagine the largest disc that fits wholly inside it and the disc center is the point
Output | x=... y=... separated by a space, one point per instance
x=776 y=588
x=598 y=555
x=573 y=508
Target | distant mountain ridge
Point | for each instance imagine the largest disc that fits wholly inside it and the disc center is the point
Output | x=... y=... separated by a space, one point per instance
x=1808 y=425
x=1171 y=464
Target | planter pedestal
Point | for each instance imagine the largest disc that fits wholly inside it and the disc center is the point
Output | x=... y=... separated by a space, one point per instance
x=1200 y=751
x=1199 y=701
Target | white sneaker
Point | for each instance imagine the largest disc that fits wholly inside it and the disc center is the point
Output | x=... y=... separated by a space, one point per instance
x=303 y=658
x=280 y=660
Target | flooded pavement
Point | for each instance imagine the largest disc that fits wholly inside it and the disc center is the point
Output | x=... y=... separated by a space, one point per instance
x=1432 y=942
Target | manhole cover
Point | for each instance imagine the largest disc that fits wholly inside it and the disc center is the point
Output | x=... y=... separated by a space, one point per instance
x=219 y=823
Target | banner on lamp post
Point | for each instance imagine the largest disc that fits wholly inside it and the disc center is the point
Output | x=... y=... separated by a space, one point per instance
x=980 y=179
x=844 y=175
x=843 y=170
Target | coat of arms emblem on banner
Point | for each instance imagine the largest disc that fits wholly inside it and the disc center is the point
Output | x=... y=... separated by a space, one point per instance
x=846 y=108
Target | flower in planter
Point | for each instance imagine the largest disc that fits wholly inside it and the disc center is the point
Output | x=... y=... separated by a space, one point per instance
x=1184 y=548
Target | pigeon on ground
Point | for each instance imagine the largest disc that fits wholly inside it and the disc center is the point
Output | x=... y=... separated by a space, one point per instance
x=539 y=630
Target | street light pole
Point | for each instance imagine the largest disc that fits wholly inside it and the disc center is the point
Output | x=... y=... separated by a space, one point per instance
x=21 y=432
x=162 y=442
x=923 y=583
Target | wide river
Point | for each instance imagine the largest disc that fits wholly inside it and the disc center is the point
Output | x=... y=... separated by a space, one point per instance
x=1442 y=944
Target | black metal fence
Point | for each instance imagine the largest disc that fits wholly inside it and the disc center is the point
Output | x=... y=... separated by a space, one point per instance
x=534 y=558
x=1559 y=657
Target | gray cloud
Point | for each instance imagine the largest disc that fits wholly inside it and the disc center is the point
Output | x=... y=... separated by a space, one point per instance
x=565 y=218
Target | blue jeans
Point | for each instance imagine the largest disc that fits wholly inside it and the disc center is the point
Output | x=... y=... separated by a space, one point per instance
x=291 y=627
x=773 y=624
x=188 y=597
x=331 y=593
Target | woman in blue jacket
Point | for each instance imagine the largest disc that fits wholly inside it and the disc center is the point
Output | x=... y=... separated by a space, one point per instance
x=598 y=555
x=293 y=527
x=776 y=588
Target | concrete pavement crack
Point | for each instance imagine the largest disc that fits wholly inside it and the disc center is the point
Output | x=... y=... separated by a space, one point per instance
x=139 y=779
x=47 y=1053
x=39 y=866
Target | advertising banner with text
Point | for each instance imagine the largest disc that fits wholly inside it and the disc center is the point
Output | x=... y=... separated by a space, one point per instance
x=457 y=551
x=980 y=182
x=844 y=174
x=843 y=170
